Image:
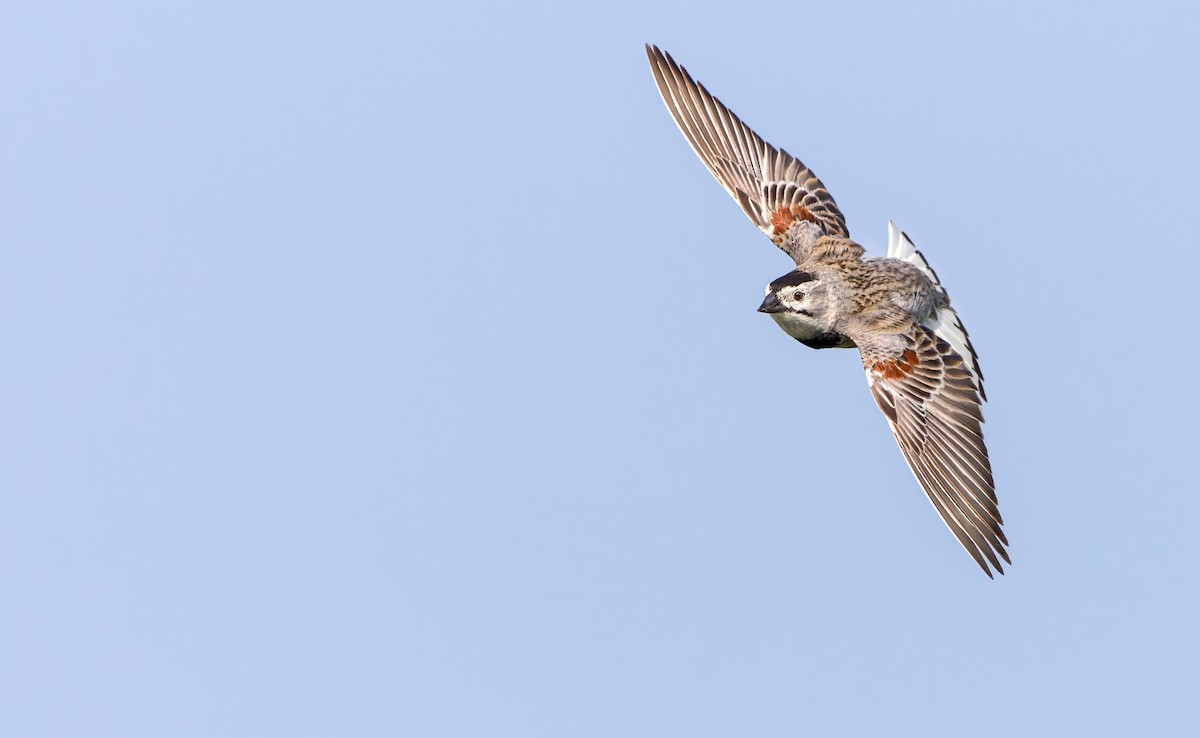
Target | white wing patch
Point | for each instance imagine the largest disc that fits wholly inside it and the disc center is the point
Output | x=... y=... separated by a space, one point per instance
x=944 y=322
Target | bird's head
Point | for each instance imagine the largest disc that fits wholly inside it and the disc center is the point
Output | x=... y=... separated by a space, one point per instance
x=799 y=302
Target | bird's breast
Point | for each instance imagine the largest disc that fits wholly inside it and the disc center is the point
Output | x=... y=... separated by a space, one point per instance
x=808 y=331
x=799 y=327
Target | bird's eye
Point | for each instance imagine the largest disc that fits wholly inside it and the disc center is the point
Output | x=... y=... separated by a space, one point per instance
x=797 y=295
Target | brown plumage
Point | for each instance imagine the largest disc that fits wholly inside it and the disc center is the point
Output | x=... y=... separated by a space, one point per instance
x=921 y=367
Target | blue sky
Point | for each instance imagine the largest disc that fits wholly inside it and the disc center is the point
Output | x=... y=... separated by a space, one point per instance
x=388 y=370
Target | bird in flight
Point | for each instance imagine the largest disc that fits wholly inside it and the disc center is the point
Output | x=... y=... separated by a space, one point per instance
x=921 y=367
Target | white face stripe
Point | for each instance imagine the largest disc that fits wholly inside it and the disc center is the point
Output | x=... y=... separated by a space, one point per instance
x=785 y=293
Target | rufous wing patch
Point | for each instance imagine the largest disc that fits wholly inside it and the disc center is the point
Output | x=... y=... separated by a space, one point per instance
x=898 y=367
x=783 y=216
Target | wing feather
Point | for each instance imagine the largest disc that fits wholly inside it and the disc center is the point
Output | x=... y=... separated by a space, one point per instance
x=932 y=404
x=945 y=322
x=776 y=191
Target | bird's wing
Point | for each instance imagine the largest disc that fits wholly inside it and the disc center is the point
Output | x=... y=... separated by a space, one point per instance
x=927 y=392
x=781 y=195
x=944 y=322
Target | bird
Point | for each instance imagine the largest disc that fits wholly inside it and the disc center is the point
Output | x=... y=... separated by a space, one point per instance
x=922 y=370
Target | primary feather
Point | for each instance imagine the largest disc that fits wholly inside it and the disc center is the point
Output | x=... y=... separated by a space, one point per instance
x=921 y=367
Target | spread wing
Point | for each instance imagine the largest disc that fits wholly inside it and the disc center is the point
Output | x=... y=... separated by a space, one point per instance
x=781 y=195
x=927 y=391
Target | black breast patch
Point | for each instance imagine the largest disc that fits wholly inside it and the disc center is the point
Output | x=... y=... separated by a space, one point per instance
x=824 y=341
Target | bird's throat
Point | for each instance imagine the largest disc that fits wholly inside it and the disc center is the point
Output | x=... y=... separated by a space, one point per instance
x=808 y=331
